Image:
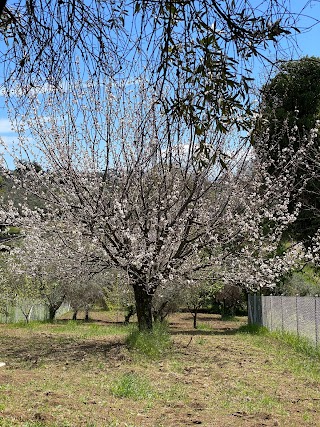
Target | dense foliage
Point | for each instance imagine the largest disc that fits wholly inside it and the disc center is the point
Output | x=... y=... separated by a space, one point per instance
x=290 y=109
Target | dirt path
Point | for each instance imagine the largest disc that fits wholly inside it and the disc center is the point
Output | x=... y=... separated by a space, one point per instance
x=211 y=377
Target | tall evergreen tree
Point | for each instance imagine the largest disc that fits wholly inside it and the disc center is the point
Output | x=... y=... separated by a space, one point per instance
x=291 y=107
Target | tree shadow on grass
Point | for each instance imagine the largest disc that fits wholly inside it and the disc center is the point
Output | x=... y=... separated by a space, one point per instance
x=102 y=322
x=34 y=351
x=207 y=325
x=201 y=332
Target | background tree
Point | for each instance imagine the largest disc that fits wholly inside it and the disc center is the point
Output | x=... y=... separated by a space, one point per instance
x=83 y=294
x=168 y=299
x=24 y=289
x=305 y=282
x=290 y=109
x=293 y=96
x=117 y=293
x=41 y=267
x=7 y=290
x=198 y=296
x=229 y=297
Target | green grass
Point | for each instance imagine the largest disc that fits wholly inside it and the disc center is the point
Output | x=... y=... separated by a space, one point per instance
x=152 y=344
x=299 y=344
x=253 y=330
x=32 y=325
x=249 y=398
x=87 y=330
x=211 y=377
x=75 y=327
x=201 y=341
x=177 y=366
x=204 y=327
x=133 y=386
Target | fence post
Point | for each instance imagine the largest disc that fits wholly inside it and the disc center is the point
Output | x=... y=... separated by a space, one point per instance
x=297 y=317
x=282 y=321
x=271 y=313
x=249 y=309
x=254 y=308
x=316 y=319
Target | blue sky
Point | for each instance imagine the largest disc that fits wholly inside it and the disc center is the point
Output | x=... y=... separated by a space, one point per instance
x=308 y=43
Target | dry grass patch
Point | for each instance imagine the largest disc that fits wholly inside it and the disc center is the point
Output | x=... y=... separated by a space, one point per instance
x=75 y=374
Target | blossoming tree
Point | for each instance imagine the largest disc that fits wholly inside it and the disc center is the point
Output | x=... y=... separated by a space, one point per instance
x=126 y=186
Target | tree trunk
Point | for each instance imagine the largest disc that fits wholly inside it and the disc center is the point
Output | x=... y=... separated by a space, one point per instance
x=86 y=317
x=74 y=316
x=194 y=314
x=52 y=312
x=155 y=315
x=160 y=315
x=143 y=302
x=131 y=312
x=53 y=308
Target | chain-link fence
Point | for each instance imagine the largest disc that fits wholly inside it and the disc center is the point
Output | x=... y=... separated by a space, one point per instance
x=300 y=315
x=24 y=309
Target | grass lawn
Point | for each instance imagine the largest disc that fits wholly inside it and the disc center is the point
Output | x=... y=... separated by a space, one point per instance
x=71 y=374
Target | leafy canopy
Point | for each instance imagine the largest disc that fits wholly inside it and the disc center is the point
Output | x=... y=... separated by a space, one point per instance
x=194 y=54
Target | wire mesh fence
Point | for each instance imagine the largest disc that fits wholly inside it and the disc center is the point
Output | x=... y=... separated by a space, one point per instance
x=299 y=315
x=27 y=310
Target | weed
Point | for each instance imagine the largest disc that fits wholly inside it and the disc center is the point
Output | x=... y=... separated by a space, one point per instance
x=300 y=344
x=306 y=417
x=253 y=330
x=203 y=327
x=177 y=366
x=151 y=344
x=131 y=385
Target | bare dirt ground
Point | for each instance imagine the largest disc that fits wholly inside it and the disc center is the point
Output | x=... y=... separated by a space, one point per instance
x=212 y=376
